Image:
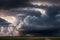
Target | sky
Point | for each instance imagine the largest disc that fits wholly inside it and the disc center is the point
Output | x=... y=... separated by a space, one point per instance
x=34 y=16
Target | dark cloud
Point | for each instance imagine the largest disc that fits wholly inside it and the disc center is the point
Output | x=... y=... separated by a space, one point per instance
x=4 y=23
x=30 y=19
x=13 y=3
x=47 y=25
x=7 y=4
x=33 y=21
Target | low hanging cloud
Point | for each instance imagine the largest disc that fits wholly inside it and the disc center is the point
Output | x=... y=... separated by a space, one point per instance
x=4 y=23
x=38 y=23
x=42 y=18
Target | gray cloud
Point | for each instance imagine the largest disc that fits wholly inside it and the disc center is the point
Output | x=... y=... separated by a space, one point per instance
x=51 y=1
x=31 y=20
x=4 y=23
x=7 y=4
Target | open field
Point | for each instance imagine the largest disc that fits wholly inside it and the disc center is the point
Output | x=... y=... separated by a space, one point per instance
x=28 y=38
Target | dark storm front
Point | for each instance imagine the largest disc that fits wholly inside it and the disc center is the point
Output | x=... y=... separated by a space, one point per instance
x=37 y=18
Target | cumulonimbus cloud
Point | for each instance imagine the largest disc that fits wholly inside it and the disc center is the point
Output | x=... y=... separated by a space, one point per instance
x=33 y=17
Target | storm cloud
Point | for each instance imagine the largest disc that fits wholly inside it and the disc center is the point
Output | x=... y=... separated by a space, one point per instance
x=3 y=23
x=43 y=19
x=7 y=4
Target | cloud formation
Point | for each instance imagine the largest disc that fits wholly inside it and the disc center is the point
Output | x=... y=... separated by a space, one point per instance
x=7 y=4
x=3 y=23
x=33 y=21
x=43 y=19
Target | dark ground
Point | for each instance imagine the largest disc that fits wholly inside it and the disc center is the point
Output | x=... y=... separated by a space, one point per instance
x=28 y=38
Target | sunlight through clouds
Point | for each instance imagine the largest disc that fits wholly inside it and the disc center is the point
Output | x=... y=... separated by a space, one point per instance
x=20 y=17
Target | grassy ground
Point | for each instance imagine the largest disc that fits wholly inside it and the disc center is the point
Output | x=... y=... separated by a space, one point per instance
x=28 y=38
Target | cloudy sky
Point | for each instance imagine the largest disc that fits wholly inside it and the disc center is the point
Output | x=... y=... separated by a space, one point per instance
x=33 y=16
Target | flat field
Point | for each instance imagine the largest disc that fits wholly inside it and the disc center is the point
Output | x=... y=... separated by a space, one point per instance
x=28 y=38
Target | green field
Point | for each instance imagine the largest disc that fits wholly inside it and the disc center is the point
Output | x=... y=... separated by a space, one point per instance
x=28 y=38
